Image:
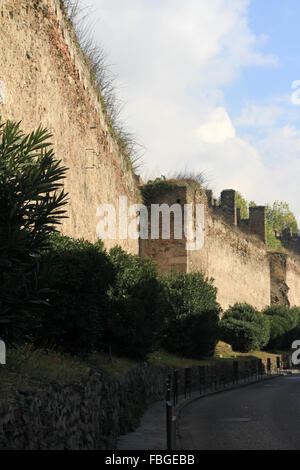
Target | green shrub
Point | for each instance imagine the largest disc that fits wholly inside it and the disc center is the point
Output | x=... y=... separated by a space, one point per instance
x=191 y=315
x=32 y=203
x=242 y=335
x=282 y=321
x=22 y=296
x=289 y=337
x=254 y=323
x=295 y=314
x=79 y=274
x=133 y=327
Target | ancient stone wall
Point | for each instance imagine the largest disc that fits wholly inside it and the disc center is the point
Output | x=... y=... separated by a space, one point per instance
x=290 y=240
x=169 y=254
x=239 y=267
x=48 y=81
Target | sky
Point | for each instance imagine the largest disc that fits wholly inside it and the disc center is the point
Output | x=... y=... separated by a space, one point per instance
x=210 y=86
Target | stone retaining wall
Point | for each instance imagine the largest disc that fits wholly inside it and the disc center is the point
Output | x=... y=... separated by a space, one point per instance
x=90 y=414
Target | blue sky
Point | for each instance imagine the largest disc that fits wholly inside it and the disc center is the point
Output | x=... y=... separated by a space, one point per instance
x=207 y=87
x=278 y=22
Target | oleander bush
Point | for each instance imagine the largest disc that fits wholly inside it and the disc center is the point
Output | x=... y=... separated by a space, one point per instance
x=32 y=203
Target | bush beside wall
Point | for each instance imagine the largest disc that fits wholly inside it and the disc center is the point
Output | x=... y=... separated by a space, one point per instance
x=245 y=328
x=191 y=315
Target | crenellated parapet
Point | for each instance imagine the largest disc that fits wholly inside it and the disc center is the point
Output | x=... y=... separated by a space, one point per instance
x=290 y=240
x=228 y=210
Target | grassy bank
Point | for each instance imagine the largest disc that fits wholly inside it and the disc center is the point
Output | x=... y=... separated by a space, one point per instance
x=223 y=352
x=27 y=369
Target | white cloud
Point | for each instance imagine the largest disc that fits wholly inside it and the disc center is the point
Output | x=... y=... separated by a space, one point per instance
x=173 y=59
x=218 y=127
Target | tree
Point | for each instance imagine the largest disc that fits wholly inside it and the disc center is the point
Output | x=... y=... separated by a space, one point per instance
x=242 y=204
x=134 y=324
x=31 y=205
x=245 y=328
x=279 y=217
x=191 y=314
x=79 y=274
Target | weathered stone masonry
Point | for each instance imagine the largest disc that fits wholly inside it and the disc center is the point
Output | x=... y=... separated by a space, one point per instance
x=89 y=414
x=234 y=252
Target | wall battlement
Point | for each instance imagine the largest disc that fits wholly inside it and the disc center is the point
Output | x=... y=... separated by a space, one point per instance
x=290 y=240
x=228 y=210
x=243 y=269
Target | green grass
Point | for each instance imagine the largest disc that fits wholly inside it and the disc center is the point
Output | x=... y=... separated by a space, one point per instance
x=223 y=352
x=112 y=365
x=27 y=369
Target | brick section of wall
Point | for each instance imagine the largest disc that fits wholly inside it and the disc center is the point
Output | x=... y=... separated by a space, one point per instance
x=48 y=82
x=278 y=279
x=293 y=279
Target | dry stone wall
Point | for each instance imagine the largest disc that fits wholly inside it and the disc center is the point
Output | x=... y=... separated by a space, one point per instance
x=88 y=415
x=93 y=413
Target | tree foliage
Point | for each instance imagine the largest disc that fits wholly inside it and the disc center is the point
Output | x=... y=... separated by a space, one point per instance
x=32 y=203
x=32 y=197
x=245 y=328
x=242 y=204
x=284 y=321
x=280 y=217
x=134 y=324
x=191 y=314
x=79 y=274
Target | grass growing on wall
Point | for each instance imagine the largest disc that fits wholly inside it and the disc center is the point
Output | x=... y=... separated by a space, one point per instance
x=104 y=80
x=162 y=185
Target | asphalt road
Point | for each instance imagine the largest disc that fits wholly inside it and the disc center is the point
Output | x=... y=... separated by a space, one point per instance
x=260 y=416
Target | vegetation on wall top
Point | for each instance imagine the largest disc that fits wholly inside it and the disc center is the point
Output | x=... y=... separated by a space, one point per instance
x=104 y=80
x=278 y=217
x=242 y=204
x=161 y=185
